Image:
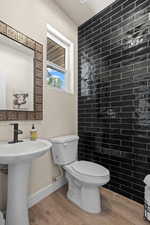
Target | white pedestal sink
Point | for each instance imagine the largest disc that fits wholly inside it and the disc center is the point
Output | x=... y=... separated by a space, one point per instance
x=19 y=157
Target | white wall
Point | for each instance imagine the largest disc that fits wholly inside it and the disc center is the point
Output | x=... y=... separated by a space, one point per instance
x=60 y=109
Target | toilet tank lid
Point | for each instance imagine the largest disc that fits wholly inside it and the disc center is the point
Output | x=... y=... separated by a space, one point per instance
x=65 y=139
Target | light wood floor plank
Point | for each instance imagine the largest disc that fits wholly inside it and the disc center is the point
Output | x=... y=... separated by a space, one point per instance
x=58 y=210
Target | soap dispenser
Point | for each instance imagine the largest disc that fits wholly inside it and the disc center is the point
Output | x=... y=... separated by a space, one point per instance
x=34 y=135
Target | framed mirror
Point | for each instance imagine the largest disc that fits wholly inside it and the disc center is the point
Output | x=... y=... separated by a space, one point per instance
x=21 y=76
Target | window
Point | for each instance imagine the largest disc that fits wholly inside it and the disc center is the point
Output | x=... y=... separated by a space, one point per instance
x=59 y=61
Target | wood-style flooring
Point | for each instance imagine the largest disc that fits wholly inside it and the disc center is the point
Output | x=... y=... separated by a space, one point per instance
x=58 y=210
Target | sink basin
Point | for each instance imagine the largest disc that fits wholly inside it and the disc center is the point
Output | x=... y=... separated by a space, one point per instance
x=22 y=151
x=19 y=158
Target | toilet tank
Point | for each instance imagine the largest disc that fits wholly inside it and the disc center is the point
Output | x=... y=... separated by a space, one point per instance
x=65 y=149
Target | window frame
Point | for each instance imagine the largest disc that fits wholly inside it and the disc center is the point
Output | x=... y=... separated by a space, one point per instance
x=61 y=40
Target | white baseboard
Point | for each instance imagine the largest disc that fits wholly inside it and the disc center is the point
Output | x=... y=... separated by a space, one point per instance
x=44 y=192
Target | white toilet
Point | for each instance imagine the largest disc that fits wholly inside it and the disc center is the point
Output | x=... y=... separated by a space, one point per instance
x=84 y=177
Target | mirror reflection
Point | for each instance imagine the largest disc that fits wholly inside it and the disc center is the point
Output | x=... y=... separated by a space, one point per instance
x=16 y=76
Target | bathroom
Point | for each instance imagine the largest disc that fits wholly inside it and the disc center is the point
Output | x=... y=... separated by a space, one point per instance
x=92 y=96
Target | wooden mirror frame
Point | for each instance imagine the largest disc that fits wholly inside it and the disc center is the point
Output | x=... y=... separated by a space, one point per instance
x=37 y=114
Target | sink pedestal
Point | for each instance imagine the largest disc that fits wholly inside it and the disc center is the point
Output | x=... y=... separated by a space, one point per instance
x=17 y=199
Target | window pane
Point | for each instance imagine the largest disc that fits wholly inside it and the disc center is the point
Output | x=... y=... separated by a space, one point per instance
x=55 y=78
x=55 y=53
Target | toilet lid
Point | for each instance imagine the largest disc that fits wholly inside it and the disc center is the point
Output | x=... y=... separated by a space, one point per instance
x=90 y=169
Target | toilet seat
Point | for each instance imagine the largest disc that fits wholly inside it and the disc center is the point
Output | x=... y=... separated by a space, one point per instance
x=88 y=172
x=90 y=169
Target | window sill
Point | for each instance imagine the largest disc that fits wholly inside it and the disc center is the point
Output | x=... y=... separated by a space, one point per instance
x=61 y=90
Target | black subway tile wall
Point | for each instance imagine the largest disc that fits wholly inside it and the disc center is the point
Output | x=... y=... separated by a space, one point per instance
x=114 y=94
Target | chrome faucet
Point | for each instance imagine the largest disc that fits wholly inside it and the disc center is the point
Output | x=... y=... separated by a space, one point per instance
x=16 y=132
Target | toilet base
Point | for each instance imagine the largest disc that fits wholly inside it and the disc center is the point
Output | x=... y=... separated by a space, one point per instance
x=85 y=196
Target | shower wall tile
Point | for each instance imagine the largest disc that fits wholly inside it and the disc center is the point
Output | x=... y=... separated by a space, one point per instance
x=114 y=94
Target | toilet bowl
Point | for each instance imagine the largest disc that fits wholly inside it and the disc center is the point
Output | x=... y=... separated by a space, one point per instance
x=84 y=178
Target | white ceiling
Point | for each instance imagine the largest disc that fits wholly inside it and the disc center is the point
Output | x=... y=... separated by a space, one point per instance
x=80 y=13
